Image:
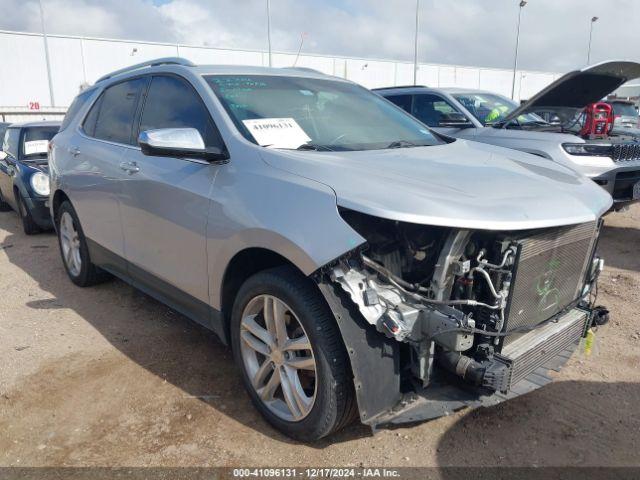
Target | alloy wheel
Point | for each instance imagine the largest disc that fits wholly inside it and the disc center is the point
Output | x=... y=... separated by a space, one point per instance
x=278 y=357
x=70 y=242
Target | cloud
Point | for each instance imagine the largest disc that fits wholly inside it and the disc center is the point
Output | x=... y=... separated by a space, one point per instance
x=554 y=33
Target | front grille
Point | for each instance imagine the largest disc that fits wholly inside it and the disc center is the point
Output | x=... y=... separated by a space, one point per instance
x=549 y=274
x=534 y=349
x=625 y=152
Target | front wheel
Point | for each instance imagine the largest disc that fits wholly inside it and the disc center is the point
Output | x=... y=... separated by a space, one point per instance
x=293 y=361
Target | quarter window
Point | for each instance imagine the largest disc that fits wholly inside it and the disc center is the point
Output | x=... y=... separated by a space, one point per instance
x=173 y=103
x=75 y=107
x=112 y=116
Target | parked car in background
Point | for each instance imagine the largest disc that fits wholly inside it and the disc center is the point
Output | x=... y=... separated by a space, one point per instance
x=24 y=173
x=356 y=261
x=625 y=114
x=612 y=162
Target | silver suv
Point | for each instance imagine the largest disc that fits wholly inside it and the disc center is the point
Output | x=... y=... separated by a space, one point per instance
x=355 y=261
x=612 y=162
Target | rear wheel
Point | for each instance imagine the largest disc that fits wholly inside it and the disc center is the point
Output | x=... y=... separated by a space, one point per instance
x=28 y=224
x=74 y=249
x=294 y=364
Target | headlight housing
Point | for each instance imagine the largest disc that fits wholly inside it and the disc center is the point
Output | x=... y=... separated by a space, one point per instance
x=588 y=149
x=40 y=183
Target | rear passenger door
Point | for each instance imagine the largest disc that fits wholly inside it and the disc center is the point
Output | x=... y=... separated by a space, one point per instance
x=94 y=173
x=165 y=202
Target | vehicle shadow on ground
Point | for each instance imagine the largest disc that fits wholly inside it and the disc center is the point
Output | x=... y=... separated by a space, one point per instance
x=584 y=423
x=619 y=246
x=152 y=335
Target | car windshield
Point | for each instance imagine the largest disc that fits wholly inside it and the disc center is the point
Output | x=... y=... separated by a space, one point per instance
x=624 y=109
x=35 y=142
x=490 y=108
x=315 y=114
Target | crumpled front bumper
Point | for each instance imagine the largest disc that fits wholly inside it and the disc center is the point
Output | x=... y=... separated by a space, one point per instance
x=444 y=397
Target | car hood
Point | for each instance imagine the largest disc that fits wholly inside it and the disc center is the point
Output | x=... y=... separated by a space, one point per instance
x=527 y=135
x=575 y=90
x=462 y=184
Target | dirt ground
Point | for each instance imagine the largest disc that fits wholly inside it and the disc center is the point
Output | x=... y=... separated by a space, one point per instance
x=106 y=376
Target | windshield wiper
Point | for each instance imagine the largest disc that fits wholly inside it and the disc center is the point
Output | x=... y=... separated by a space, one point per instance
x=315 y=146
x=403 y=144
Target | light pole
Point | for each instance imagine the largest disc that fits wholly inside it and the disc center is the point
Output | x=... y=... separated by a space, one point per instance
x=46 y=55
x=415 y=46
x=302 y=35
x=269 y=29
x=515 y=59
x=593 y=20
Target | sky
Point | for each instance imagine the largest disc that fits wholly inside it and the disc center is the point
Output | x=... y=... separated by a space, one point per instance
x=554 y=33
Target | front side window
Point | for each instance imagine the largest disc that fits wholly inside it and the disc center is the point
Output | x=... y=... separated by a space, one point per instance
x=11 y=142
x=173 y=103
x=315 y=114
x=490 y=108
x=431 y=109
x=35 y=142
x=111 y=117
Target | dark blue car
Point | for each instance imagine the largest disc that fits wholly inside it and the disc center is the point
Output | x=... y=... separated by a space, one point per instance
x=24 y=173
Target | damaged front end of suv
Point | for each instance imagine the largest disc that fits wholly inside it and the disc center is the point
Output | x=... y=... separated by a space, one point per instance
x=455 y=317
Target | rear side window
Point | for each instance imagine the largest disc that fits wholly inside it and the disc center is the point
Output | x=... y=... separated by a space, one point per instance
x=430 y=109
x=75 y=107
x=111 y=117
x=403 y=101
x=173 y=103
x=11 y=142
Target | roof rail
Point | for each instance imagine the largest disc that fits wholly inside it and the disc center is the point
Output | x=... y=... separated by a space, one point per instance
x=150 y=63
x=400 y=86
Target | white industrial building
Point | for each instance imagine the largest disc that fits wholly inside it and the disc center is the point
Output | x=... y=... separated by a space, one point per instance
x=78 y=61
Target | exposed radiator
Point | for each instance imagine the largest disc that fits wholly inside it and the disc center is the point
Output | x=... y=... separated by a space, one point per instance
x=549 y=274
x=532 y=350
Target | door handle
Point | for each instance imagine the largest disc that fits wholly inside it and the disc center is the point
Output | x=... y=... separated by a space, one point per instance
x=75 y=151
x=130 y=167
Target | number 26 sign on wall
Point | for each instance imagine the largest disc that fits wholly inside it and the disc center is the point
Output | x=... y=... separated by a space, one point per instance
x=34 y=105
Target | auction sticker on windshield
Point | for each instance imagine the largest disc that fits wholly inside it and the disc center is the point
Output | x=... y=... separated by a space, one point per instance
x=35 y=147
x=277 y=132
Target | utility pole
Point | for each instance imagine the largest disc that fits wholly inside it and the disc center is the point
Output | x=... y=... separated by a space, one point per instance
x=269 y=29
x=515 y=59
x=46 y=55
x=415 y=47
x=593 y=20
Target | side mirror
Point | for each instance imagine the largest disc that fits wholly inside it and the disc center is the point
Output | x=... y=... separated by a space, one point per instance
x=3 y=155
x=179 y=142
x=454 y=120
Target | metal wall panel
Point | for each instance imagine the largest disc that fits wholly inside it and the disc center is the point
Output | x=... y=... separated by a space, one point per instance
x=76 y=61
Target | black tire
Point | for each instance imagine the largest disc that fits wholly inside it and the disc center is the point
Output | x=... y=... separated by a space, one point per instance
x=4 y=206
x=335 y=403
x=89 y=273
x=29 y=226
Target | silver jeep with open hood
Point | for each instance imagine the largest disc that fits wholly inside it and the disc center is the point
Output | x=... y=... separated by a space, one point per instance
x=358 y=264
x=612 y=161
